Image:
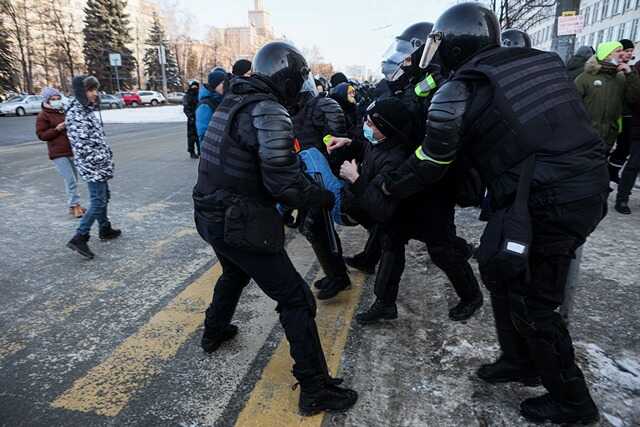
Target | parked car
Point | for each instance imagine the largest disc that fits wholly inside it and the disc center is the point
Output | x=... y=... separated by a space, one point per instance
x=21 y=105
x=111 y=101
x=131 y=99
x=175 y=97
x=151 y=97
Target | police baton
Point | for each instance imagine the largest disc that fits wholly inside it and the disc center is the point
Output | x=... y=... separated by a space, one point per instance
x=326 y=217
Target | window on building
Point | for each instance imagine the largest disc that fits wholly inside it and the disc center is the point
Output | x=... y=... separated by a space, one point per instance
x=586 y=14
x=594 y=13
x=626 y=6
x=610 y=34
x=592 y=38
x=600 y=37
x=633 y=34
x=615 y=6
x=605 y=9
x=621 y=29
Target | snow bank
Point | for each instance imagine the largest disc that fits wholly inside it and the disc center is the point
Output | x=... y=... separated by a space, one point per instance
x=164 y=114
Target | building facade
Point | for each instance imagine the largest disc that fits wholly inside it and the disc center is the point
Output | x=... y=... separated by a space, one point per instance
x=604 y=20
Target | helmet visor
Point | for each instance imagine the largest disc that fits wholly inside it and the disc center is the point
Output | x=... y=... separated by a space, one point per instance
x=431 y=48
x=309 y=85
x=398 y=51
x=388 y=68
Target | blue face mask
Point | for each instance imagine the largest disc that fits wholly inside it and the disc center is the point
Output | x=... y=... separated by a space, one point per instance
x=368 y=133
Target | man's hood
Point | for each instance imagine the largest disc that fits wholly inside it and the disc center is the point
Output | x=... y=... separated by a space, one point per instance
x=79 y=91
x=592 y=66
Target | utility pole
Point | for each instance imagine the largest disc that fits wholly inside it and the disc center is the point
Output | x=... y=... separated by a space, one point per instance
x=162 y=58
x=564 y=36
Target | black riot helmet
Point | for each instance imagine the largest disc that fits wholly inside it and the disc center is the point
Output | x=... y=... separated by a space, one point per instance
x=515 y=38
x=461 y=32
x=407 y=45
x=283 y=68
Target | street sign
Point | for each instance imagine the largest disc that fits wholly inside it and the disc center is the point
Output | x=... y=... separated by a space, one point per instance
x=570 y=25
x=115 y=59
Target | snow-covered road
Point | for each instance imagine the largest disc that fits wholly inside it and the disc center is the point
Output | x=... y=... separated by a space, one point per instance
x=163 y=114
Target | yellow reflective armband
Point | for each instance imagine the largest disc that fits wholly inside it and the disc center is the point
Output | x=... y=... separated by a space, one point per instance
x=421 y=155
x=327 y=139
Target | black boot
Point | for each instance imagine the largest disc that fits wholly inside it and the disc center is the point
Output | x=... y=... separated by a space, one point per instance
x=377 y=311
x=504 y=370
x=465 y=309
x=322 y=283
x=334 y=287
x=576 y=407
x=622 y=206
x=514 y=364
x=211 y=340
x=79 y=244
x=108 y=233
x=321 y=394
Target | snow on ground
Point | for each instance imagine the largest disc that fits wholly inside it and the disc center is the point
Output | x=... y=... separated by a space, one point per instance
x=163 y=114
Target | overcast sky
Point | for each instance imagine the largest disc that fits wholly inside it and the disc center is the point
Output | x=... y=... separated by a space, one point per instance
x=348 y=32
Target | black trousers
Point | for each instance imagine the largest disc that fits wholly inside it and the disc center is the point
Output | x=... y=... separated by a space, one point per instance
x=277 y=277
x=631 y=169
x=623 y=143
x=447 y=251
x=332 y=264
x=529 y=329
x=192 y=135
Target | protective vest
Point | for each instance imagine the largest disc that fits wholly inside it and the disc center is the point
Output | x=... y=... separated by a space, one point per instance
x=534 y=108
x=225 y=163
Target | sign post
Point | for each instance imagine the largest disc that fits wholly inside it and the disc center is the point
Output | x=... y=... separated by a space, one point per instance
x=162 y=58
x=567 y=24
x=115 y=59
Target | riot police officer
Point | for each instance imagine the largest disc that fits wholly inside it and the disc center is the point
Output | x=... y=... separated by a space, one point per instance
x=515 y=38
x=514 y=112
x=436 y=204
x=319 y=120
x=189 y=106
x=247 y=165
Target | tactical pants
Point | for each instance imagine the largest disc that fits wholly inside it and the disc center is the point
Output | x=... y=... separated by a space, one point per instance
x=332 y=264
x=277 y=277
x=192 y=135
x=631 y=169
x=529 y=329
x=447 y=251
x=623 y=144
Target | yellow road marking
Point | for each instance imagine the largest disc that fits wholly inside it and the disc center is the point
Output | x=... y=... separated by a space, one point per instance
x=107 y=388
x=272 y=402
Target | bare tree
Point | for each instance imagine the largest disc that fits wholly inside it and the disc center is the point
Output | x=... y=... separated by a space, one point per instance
x=522 y=14
x=66 y=36
x=16 y=11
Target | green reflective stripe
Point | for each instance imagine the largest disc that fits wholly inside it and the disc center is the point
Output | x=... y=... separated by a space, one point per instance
x=422 y=156
x=425 y=87
x=620 y=124
x=327 y=139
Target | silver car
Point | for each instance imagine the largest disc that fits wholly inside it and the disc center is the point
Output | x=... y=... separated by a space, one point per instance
x=175 y=97
x=21 y=105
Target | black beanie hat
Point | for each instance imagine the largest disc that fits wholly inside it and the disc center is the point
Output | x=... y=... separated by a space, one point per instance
x=626 y=44
x=241 y=67
x=390 y=116
x=338 y=78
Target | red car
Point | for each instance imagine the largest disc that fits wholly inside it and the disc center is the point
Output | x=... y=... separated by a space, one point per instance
x=130 y=99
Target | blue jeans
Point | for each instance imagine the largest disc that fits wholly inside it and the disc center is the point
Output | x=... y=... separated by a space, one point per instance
x=99 y=196
x=67 y=170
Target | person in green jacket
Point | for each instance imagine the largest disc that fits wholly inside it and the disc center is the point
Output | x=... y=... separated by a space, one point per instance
x=603 y=86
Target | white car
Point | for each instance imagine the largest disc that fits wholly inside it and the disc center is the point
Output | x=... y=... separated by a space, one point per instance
x=175 y=97
x=21 y=105
x=150 y=97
